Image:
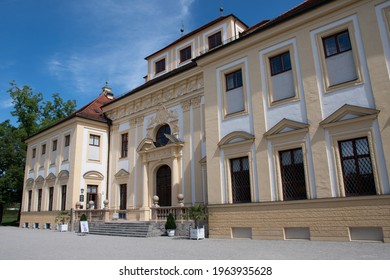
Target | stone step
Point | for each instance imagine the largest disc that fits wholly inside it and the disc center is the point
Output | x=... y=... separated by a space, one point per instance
x=121 y=229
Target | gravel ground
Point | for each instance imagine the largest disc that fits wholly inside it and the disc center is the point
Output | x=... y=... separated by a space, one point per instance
x=28 y=244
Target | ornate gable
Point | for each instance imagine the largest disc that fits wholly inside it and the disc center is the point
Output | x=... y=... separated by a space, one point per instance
x=286 y=127
x=349 y=113
x=163 y=116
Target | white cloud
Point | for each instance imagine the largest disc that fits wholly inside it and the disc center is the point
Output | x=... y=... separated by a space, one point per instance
x=127 y=32
x=6 y=104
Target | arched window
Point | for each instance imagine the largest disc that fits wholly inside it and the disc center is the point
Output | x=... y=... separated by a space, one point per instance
x=161 y=140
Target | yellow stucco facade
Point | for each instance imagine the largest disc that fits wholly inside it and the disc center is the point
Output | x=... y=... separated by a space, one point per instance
x=281 y=129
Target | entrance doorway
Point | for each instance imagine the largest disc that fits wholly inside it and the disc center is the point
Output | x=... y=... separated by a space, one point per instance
x=163 y=185
x=92 y=195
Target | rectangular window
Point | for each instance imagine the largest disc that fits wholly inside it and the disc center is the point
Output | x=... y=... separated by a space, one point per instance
x=234 y=80
x=67 y=140
x=29 y=201
x=43 y=156
x=240 y=177
x=54 y=151
x=280 y=63
x=94 y=140
x=235 y=101
x=215 y=40
x=337 y=43
x=293 y=174
x=66 y=149
x=282 y=77
x=357 y=168
x=63 y=197
x=33 y=156
x=339 y=58
x=39 y=199
x=94 y=147
x=185 y=54
x=51 y=196
x=160 y=66
x=124 y=145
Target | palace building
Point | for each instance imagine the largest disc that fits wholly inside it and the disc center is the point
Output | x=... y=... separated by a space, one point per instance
x=281 y=129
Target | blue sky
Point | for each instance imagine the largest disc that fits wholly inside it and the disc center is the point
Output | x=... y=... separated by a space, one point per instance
x=72 y=47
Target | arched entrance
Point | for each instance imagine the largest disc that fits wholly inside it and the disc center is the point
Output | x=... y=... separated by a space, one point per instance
x=163 y=185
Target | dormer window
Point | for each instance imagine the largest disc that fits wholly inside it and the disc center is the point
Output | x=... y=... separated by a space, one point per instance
x=215 y=40
x=160 y=66
x=185 y=54
x=161 y=139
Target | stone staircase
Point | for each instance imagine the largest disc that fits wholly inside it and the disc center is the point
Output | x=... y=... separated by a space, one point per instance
x=125 y=229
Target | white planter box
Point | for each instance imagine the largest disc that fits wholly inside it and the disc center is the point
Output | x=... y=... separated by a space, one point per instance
x=63 y=227
x=197 y=233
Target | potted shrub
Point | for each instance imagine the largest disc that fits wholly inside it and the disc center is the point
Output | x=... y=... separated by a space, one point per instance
x=170 y=225
x=196 y=213
x=62 y=220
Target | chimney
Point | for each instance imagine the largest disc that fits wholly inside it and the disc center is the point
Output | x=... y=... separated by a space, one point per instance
x=107 y=91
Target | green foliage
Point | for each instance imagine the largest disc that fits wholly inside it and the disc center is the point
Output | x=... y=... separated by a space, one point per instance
x=196 y=213
x=170 y=224
x=33 y=114
x=54 y=111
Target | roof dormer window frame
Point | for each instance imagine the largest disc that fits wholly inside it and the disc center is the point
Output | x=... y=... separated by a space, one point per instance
x=223 y=28
x=163 y=56
x=181 y=47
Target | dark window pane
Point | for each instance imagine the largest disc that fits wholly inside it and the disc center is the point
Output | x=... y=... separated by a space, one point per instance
x=330 y=46
x=357 y=168
x=286 y=61
x=344 y=42
x=293 y=174
x=276 y=65
x=240 y=179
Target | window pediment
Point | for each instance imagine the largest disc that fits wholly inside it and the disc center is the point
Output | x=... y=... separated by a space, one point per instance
x=30 y=182
x=50 y=177
x=64 y=174
x=122 y=173
x=235 y=137
x=40 y=179
x=349 y=113
x=286 y=127
x=94 y=175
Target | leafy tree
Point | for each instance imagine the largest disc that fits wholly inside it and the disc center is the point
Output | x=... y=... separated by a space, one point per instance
x=12 y=160
x=33 y=114
x=56 y=110
x=26 y=108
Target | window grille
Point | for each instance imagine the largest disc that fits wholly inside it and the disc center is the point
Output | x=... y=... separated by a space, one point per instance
x=357 y=168
x=241 y=190
x=293 y=174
